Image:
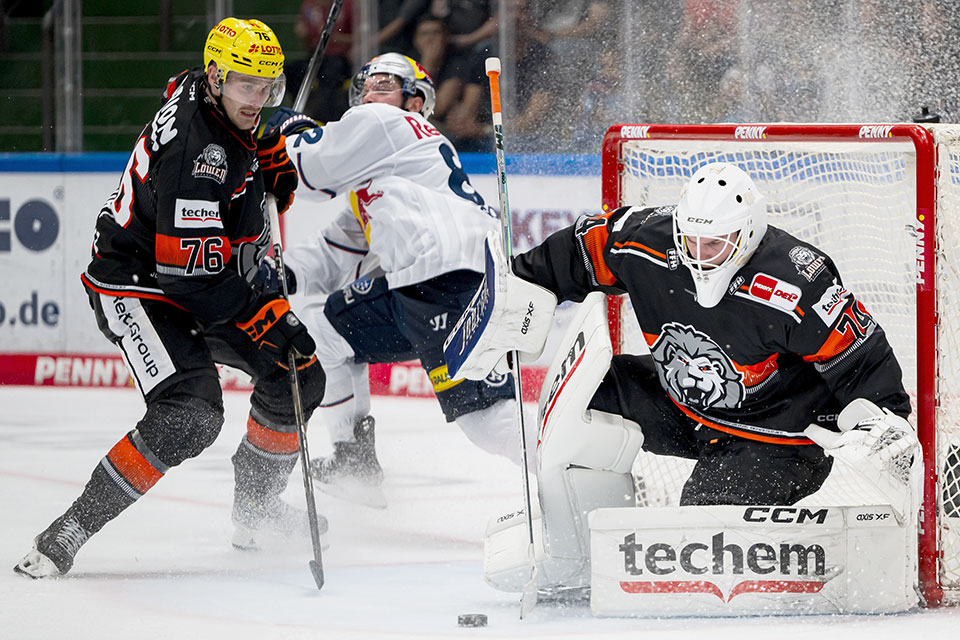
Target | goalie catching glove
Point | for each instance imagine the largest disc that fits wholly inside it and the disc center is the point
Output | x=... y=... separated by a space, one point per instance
x=276 y=329
x=507 y=313
x=876 y=443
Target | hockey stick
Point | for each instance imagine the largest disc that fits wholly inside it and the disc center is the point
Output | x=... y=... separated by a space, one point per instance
x=528 y=599
x=316 y=565
x=317 y=56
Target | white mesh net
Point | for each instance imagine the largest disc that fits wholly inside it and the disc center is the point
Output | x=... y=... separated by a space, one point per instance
x=856 y=200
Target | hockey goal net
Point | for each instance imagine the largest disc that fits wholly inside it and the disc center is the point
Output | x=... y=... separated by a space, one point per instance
x=884 y=202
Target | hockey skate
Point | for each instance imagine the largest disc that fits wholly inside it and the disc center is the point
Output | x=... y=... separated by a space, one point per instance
x=54 y=549
x=353 y=472
x=258 y=523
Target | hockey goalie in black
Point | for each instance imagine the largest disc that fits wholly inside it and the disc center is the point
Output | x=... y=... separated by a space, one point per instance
x=763 y=367
x=172 y=283
x=752 y=334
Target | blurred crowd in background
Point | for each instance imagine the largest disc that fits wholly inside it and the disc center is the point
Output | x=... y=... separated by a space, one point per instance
x=574 y=67
x=578 y=66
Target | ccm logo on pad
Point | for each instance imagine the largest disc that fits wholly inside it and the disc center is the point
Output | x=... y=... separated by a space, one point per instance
x=193 y=214
x=777 y=292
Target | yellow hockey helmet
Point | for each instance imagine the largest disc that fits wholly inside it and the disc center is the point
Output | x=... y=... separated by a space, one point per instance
x=247 y=47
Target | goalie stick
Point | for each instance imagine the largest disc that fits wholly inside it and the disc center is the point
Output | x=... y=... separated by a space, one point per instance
x=316 y=565
x=528 y=599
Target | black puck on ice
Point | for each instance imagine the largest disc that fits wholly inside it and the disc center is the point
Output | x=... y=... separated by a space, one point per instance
x=472 y=620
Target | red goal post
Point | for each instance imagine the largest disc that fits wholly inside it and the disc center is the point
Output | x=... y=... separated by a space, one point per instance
x=883 y=200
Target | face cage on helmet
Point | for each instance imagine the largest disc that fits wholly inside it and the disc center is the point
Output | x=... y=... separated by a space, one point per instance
x=705 y=267
x=408 y=87
x=234 y=86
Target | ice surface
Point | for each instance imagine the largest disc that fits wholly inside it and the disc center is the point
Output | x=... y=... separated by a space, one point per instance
x=165 y=568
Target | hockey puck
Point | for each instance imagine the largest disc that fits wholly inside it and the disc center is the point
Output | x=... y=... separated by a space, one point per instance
x=472 y=620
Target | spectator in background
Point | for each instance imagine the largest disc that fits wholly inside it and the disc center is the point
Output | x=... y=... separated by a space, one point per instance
x=601 y=103
x=328 y=100
x=472 y=25
x=704 y=49
x=536 y=123
x=575 y=30
x=462 y=111
x=398 y=23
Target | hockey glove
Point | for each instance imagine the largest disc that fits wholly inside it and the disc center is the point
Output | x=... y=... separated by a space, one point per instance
x=274 y=328
x=279 y=174
x=879 y=445
x=290 y=122
x=266 y=282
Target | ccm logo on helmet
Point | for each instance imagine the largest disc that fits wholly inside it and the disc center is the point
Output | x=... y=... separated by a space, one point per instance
x=776 y=292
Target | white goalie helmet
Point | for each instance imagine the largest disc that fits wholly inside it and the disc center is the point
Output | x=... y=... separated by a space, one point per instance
x=413 y=77
x=718 y=223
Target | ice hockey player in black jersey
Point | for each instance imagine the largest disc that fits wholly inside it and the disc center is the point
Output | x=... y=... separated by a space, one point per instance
x=755 y=347
x=171 y=282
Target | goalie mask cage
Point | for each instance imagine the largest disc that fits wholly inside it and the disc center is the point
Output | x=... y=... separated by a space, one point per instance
x=884 y=202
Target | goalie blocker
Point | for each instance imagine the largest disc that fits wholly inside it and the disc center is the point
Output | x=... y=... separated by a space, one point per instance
x=506 y=314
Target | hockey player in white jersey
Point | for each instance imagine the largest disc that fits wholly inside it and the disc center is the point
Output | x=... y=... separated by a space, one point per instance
x=387 y=277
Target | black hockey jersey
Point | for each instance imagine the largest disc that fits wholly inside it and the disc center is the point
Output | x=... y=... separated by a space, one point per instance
x=187 y=224
x=787 y=345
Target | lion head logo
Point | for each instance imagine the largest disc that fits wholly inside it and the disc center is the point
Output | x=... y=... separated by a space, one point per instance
x=694 y=370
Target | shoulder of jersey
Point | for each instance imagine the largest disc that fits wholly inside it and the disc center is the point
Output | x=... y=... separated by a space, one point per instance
x=783 y=272
x=172 y=123
x=631 y=218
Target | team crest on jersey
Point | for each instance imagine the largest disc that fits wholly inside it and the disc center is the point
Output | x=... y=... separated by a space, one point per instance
x=809 y=264
x=211 y=164
x=694 y=369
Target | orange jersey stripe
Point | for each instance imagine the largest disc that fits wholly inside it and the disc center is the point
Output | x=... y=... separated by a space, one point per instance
x=737 y=432
x=642 y=247
x=595 y=239
x=269 y=440
x=133 y=466
x=191 y=253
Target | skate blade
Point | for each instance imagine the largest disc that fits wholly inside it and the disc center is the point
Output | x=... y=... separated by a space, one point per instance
x=355 y=491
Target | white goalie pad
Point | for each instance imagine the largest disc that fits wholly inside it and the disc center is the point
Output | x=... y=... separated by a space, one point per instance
x=750 y=560
x=583 y=461
x=584 y=457
x=507 y=313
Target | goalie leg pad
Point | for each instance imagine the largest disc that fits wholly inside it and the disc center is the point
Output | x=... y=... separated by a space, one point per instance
x=584 y=457
x=751 y=560
x=506 y=563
